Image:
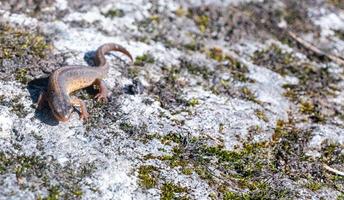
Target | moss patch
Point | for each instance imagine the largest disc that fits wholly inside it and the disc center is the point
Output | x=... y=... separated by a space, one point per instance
x=112 y=13
x=261 y=115
x=145 y=58
x=315 y=85
x=337 y=3
x=169 y=191
x=18 y=107
x=256 y=170
x=20 y=53
x=38 y=170
x=168 y=90
x=148 y=175
x=19 y=43
x=249 y=95
x=216 y=54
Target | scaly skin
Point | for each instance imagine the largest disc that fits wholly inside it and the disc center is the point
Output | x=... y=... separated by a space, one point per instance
x=67 y=79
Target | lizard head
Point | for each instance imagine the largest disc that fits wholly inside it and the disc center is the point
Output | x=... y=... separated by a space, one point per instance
x=60 y=107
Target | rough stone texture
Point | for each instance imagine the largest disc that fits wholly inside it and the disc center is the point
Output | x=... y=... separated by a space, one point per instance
x=219 y=104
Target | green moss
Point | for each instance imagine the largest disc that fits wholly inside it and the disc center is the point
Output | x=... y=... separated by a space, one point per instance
x=5 y=162
x=216 y=54
x=137 y=129
x=176 y=159
x=203 y=172
x=181 y=12
x=17 y=107
x=245 y=162
x=307 y=107
x=191 y=46
x=232 y=196
x=24 y=48
x=249 y=168
x=314 y=185
x=77 y=192
x=340 y=34
x=340 y=196
x=172 y=137
x=275 y=57
x=202 y=22
x=221 y=128
x=145 y=58
x=155 y=18
x=126 y=127
x=54 y=193
x=169 y=190
x=249 y=95
x=21 y=75
x=114 y=13
x=168 y=89
x=133 y=71
x=261 y=115
x=32 y=167
x=331 y=153
x=26 y=163
x=18 y=43
x=290 y=92
x=337 y=3
x=315 y=82
x=187 y=171
x=197 y=70
x=193 y=102
x=148 y=176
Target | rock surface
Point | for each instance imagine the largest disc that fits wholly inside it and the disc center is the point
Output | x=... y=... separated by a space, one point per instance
x=220 y=103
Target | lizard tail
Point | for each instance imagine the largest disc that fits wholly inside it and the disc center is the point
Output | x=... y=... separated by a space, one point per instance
x=105 y=48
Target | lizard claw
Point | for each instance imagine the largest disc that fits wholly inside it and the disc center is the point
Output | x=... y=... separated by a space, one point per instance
x=101 y=97
x=84 y=116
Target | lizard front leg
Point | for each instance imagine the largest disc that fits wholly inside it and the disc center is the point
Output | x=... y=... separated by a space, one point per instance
x=102 y=94
x=83 y=111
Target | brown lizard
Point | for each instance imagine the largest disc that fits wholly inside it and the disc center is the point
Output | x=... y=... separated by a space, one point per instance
x=65 y=80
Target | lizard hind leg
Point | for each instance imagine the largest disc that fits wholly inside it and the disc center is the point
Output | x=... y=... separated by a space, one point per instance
x=42 y=100
x=102 y=94
x=83 y=110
